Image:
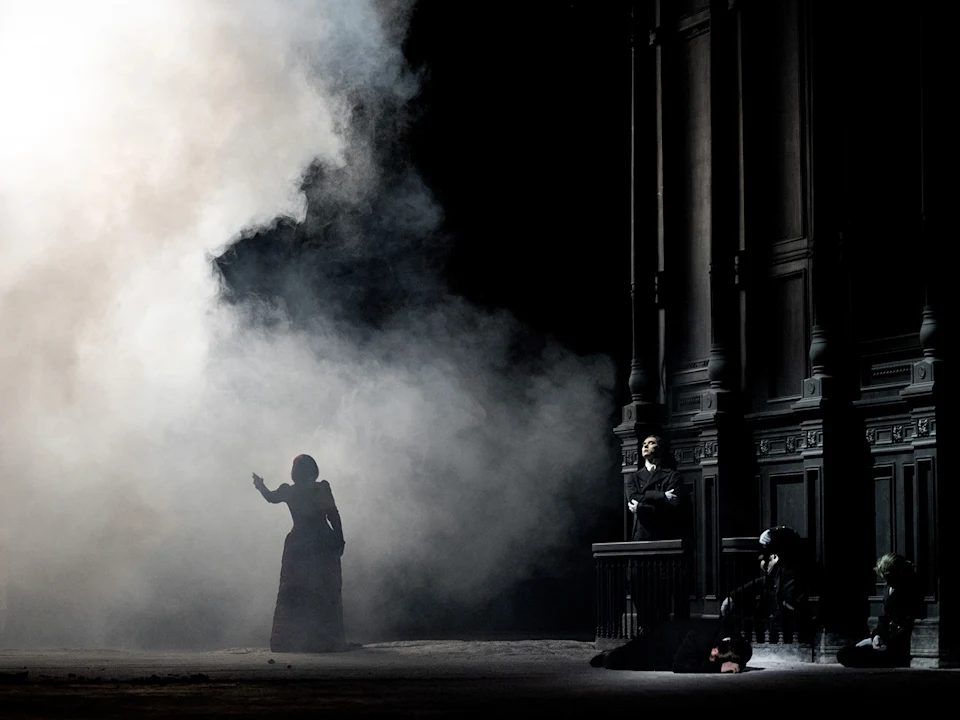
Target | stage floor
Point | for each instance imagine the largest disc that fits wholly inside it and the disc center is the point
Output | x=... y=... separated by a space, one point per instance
x=421 y=679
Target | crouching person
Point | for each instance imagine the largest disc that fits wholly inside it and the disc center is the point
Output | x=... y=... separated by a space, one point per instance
x=682 y=647
x=889 y=644
x=777 y=601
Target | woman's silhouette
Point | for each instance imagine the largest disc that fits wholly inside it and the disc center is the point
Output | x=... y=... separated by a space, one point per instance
x=309 y=613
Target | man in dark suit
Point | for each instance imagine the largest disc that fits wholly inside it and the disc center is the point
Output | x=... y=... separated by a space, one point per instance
x=653 y=496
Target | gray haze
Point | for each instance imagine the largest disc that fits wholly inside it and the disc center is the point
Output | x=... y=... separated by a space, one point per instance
x=137 y=141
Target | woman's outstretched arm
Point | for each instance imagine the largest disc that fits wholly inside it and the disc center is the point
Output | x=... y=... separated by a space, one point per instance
x=273 y=496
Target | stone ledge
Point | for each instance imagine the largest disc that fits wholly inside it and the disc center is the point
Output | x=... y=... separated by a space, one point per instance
x=780 y=653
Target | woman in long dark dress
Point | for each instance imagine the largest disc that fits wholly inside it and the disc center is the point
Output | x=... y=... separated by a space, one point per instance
x=309 y=613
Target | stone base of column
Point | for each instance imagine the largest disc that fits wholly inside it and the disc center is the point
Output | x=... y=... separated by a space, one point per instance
x=817 y=391
x=923 y=379
x=714 y=403
x=827 y=646
x=927 y=648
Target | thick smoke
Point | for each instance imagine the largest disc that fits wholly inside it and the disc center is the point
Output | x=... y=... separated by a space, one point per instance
x=142 y=383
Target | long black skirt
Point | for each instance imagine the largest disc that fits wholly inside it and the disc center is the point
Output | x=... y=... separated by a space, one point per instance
x=309 y=613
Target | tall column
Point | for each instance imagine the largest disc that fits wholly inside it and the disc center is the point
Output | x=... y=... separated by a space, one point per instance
x=720 y=418
x=643 y=414
x=936 y=640
x=923 y=381
x=832 y=449
x=726 y=171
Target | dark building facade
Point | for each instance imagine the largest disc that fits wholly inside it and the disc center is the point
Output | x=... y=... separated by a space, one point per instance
x=792 y=190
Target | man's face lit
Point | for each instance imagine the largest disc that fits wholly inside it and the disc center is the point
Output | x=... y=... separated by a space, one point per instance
x=651 y=448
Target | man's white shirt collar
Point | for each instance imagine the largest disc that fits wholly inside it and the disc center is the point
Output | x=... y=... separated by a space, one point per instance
x=650 y=466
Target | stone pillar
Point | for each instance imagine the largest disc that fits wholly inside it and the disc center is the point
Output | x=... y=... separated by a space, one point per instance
x=642 y=415
x=936 y=640
x=832 y=449
x=726 y=172
x=923 y=381
x=719 y=421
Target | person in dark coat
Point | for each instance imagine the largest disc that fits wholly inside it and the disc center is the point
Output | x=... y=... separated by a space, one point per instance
x=779 y=599
x=309 y=614
x=654 y=495
x=889 y=643
x=693 y=646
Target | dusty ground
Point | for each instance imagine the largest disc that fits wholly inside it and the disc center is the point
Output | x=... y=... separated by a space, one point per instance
x=414 y=679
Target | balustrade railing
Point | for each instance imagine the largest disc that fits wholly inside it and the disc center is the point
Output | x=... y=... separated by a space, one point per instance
x=639 y=583
x=756 y=615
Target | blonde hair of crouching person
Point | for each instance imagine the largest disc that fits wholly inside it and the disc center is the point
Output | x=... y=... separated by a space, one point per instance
x=889 y=643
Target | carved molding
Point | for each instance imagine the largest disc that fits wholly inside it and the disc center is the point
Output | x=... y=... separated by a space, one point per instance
x=688 y=403
x=686 y=455
x=888 y=435
x=629 y=457
x=883 y=374
x=900 y=433
x=706 y=450
x=888 y=371
x=881 y=435
x=693 y=365
x=789 y=444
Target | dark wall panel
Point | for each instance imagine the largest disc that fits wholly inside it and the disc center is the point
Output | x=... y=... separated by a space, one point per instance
x=788 y=500
x=687 y=189
x=774 y=177
x=883 y=478
x=883 y=198
x=786 y=342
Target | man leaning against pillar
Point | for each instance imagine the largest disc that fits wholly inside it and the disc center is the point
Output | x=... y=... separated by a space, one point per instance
x=653 y=496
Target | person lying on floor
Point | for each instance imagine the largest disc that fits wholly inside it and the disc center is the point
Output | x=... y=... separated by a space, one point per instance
x=704 y=646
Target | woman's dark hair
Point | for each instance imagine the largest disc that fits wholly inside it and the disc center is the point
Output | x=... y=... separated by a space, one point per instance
x=735 y=650
x=304 y=469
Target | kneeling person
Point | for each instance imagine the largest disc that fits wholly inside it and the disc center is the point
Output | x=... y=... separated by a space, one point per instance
x=889 y=644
